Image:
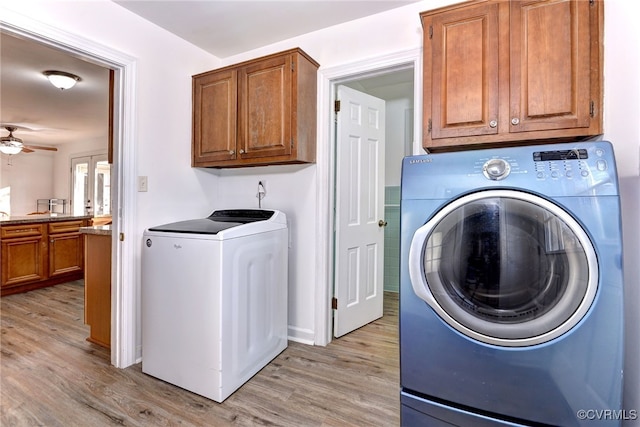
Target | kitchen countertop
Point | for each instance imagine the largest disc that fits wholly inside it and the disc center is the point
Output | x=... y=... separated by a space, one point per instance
x=101 y=230
x=23 y=219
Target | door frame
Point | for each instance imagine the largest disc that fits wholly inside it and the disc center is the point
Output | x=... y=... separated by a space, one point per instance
x=328 y=79
x=123 y=269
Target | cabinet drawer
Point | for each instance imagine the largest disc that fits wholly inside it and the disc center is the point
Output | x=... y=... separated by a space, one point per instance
x=21 y=230
x=65 y=226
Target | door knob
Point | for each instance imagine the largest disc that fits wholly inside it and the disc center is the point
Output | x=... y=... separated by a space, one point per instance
x=382 y=223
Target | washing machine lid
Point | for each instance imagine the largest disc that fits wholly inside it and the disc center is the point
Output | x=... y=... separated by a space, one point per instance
x=216 y=222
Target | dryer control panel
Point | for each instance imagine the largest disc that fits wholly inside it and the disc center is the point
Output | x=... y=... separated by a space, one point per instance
x=558 y=164
x=559 y=169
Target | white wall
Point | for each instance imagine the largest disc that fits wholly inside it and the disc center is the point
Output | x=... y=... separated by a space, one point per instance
x=622 y=128
x=176 y=191
x=28 y=178
x=396 y=139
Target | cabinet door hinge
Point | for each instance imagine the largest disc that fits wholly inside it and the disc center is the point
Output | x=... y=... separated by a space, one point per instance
x=430 y=31
x=592 y=2
x=336 y=106
x=334 y=303
x=292 y=143
x=293 y=66
x=429 y=126
x=592 y=109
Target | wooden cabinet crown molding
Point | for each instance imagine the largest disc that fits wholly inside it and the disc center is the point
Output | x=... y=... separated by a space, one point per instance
x=505 y=72
x=257 y=112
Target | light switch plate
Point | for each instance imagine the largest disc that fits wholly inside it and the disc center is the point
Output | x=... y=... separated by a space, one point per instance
x=142 y=183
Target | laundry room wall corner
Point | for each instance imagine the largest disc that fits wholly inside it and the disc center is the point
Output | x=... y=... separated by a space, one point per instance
x=630 y=192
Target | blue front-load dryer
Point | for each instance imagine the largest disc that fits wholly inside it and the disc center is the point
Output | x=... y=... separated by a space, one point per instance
x=511 y=307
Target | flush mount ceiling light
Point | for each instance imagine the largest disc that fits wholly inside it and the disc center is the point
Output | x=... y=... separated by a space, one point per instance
x=61 y=79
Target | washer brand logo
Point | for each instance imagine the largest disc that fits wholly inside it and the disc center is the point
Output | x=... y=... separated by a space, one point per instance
x=177 y=246
x=414 y=161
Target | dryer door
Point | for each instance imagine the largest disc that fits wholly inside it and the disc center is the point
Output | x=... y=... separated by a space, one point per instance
x=505 y=267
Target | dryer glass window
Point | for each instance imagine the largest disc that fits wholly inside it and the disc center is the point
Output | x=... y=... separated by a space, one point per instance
x=506 y=267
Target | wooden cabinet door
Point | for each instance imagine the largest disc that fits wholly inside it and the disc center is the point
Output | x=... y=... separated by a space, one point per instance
x=23 y=255
x=264 y=108
x=214 y=117
x=65 y=254
x=511 y=71
x=461 y=72
x=66 y=247
x=550 y=65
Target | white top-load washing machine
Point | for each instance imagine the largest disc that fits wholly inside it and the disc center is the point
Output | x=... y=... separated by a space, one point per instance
x=214 y=299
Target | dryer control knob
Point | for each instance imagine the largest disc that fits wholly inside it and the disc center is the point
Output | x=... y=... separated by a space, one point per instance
x=496 y=169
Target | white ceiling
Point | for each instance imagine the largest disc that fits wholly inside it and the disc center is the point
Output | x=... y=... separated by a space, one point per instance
x=44 y=114
x=226 y=28
x=48 y=116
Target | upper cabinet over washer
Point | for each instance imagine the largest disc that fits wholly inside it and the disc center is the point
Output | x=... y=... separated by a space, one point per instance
x=259 y=112
x=505 y=71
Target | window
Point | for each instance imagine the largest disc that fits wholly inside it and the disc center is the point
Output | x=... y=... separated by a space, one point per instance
x=91 y=185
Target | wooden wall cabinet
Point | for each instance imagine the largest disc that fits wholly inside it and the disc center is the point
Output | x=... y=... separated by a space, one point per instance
x=509 y=71
x=259 y=112
x=35 y=255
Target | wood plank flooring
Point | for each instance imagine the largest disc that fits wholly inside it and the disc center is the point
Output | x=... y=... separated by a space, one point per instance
x=51 y=376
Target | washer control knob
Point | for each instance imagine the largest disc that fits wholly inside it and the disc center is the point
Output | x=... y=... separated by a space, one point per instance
x=496 y=169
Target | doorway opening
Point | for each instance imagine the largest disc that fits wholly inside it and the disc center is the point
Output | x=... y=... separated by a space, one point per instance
x=123 y=350
x=394 y=88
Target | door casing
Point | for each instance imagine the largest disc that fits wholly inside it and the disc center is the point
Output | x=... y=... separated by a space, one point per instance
x=326 y=163
x=124 y=269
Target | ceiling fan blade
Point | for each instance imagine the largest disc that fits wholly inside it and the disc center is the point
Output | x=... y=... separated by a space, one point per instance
x=38 y=147
x=23 y=126
x=26 y=150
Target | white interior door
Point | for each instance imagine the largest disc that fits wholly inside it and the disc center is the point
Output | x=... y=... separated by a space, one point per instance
x=359 y=234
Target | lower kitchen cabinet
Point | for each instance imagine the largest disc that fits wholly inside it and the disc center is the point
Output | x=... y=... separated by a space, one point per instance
x=97 y=288
x=39 y=254
x=24 y=251
x=65 y=248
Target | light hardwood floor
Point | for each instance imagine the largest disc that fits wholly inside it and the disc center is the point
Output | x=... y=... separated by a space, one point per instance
x=51 y=376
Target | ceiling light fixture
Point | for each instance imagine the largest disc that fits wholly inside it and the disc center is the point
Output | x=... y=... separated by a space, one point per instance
x=61 y=79
x=10 y=144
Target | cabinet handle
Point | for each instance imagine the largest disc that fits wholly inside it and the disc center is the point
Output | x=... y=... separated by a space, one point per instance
x=52 y=240
x=241 y=151
x=232 y=152
x=515 y=121
x=493 y=123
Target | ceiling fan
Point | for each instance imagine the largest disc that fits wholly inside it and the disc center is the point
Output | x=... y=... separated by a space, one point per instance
x=12 y=145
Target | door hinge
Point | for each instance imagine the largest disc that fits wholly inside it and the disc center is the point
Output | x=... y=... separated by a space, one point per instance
x=334 y=303
x=121 y=236
x=429 y=126
x=430 y=31
x=592 y=109
x=293 y=66
x=336 y=106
